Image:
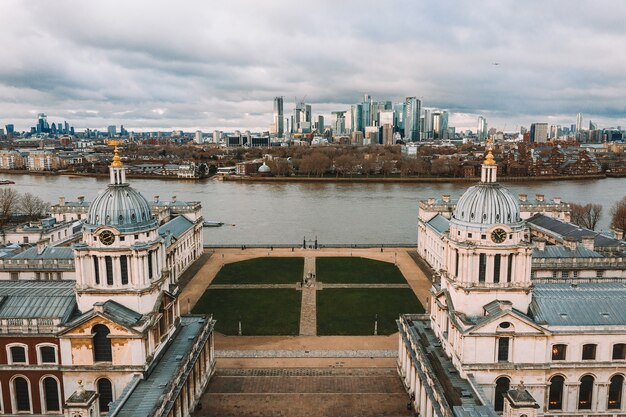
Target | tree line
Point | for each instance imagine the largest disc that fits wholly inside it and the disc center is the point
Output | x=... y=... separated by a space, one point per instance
x=27 y=205
x=589 y=215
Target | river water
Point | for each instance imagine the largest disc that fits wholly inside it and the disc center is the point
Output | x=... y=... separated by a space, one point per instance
x=345 y=213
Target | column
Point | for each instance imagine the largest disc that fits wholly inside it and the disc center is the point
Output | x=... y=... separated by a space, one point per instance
x=429 y=408
x=600 y=396
x=504 y=266
x=412 y=388
x=489 y=269
x=572 y=396
x=422 y=397
x=416 y=393
x=117 y=271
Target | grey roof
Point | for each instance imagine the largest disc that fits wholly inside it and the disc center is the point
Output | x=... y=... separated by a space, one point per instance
x=176 y=227
x=558 y=251
x=121 y=207
x=114 y=311
x=564 y=229
x=487 y=203
x=37 y=299
x=439 y=223
x=50 y=252
x=585 y=304
x=473 y=411
x=149 y=393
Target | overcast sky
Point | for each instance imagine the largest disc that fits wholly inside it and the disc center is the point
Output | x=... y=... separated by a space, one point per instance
x=217 y=65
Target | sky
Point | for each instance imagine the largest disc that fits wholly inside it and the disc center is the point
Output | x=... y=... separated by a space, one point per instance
x=164 y=65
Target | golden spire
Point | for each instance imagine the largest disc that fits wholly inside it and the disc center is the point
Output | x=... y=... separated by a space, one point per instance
x=489 y=157
x=117 y=161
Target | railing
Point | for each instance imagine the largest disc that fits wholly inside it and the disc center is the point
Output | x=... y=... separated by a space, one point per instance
x=309 y=245
x=35 y=326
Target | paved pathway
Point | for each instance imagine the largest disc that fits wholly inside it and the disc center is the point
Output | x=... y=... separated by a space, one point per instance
x=308 y=312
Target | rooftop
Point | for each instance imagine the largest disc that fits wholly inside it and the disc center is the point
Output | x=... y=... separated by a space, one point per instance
x=49 y=252
x=37 y=299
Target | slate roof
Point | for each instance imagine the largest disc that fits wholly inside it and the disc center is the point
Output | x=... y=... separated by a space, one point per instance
x=176 y=227
x=558 y=251
x=115 y=312
x=148 y=394
x=439 y=223
x=585 y=304
x=37 y=299
x=564 y=229
x=50 y=252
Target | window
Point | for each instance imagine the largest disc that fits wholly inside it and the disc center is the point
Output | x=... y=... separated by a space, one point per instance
x=483 y=237
x=105 y=389
x=615 y=393
x=18 y=354
x=558 y=352
x=469 y=235
x=51 y=394
x=589 y=352
x=15 y=276
x=124 y=268
x=585 y=393
x=47 y=354
x=555 y=396
x=564 y=274
x=503 y=349
x=25 y=239
x=619 y=351
x=108 y=261
x=150 y=268
x=96 y=266
x=555 y=274
x=456 y=263
x=482 y=267
x=599 y=274
x=497 y=260
x=509 y=268
x=101 y=343
x=21 y=394
x=502 y=386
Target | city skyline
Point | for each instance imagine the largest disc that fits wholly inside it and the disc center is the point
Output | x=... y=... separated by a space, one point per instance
x=226 y=63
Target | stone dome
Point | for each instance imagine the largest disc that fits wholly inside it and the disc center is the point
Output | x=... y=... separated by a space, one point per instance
x=264 y=169
x=487 y=204
x=122 y=207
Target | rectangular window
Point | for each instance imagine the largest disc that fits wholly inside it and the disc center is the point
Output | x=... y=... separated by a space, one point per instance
x=15 y=276
x=96 y=266
x=496 y=268
x=456 y=263
x=503 y=349
x=619 y=351
x=589 y=352
x=18 y=354
x=599 y=274
x=509 y=268
x=564 y=274
x=482 y=267
x=150 y=265
x=48 y=354
x=108 y=261
x=124 y=267
x=555 y=274
x=558 y=352
x=575 y=274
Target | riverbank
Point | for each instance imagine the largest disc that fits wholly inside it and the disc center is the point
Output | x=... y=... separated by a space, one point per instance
x=95 y=175
x=409 y=179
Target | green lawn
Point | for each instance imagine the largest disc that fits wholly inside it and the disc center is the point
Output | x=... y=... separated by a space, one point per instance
x=273 y=311
x=348 y=270
x=266 y=270
x=353 y=311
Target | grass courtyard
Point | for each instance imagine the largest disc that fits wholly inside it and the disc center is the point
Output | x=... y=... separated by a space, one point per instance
x=352 y=311
x=267 y=270
x=274 y=311
x=356 y=270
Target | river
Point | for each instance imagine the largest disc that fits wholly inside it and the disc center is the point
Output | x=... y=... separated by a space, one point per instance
x=346 y=213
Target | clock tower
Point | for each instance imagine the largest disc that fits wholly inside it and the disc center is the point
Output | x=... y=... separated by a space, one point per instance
x=488 y=250
x=121 y=256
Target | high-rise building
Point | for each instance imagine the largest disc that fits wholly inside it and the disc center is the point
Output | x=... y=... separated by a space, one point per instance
x=412 y=110
x=385 y=117
x=387 y=134
x=427 y=129
x=301 y=121
x=10 y=129
x=398 y=116
x=538 y=133
x=356 y=111
x=42 y=123
x=278 y=128
x=217 y=136
x=481 y=129
x=444 y=124
x=320 y=124
x=437 y=125
x=111 y=131
x=579 y=122
x=338 y=122
x=198 y=137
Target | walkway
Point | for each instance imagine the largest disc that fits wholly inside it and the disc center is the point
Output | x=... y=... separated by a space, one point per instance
x=308 y=306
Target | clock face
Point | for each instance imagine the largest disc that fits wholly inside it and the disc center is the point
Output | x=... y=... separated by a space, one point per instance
x=498 y=235
x=107 y=237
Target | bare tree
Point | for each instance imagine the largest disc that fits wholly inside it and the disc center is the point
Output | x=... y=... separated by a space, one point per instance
x=345 y=164
x=618 y=215
x=8 y=203
x=316 y=163
x=586 y=216
x=32 y=206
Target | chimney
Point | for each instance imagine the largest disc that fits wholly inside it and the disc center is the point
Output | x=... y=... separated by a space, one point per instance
x=540 y=244
x=99 y=307
x=557 y=200
x=431 y=200
x=446 y=198
x=589 y=242
x=173 y=199
x=61 y=201
x=523 y=197
x=570 y=243
x=41 y=246
x=81 y=198
x=156 y=198
x=619 y=234
x=539 y=197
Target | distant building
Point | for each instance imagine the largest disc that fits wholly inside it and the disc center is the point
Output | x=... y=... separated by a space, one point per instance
x=538 y=132
x=278 y=127
x=12 y=160
x=43 y=161
x=111 y=131
x=198 y=137
x=412 y=119
x=338 y=122
x=387 y=134
x=481 y=129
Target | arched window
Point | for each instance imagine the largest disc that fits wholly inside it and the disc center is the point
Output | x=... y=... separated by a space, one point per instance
x=124 y=269
x=96 y=266
x=585 y=393
x=502 y=386
x=18 y=354
x=22 y=394
x=51 y=394
x=47 y=354
x=101 y=343
x=615 y=393
x=555 y=398
x=105 y=389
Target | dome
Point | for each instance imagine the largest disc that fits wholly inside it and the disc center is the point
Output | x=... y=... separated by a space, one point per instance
x=487 y=204
x=264 y=169
x=122 y=207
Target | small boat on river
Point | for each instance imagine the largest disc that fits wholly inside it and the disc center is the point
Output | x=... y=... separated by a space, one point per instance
x=209 y=223
x=6 y=182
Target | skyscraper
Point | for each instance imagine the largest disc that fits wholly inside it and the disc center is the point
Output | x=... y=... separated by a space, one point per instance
x=42 y=123
x=301 y=122
x=579 y=122
x=278 y=127
x=412 y=111
x=428 y=125
x=538 y=133
x=320 y=124
x=338 y=122
x=437 y=125
x=481 y=129
x=398 y=116
x=198 y=137
x=111 y=130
